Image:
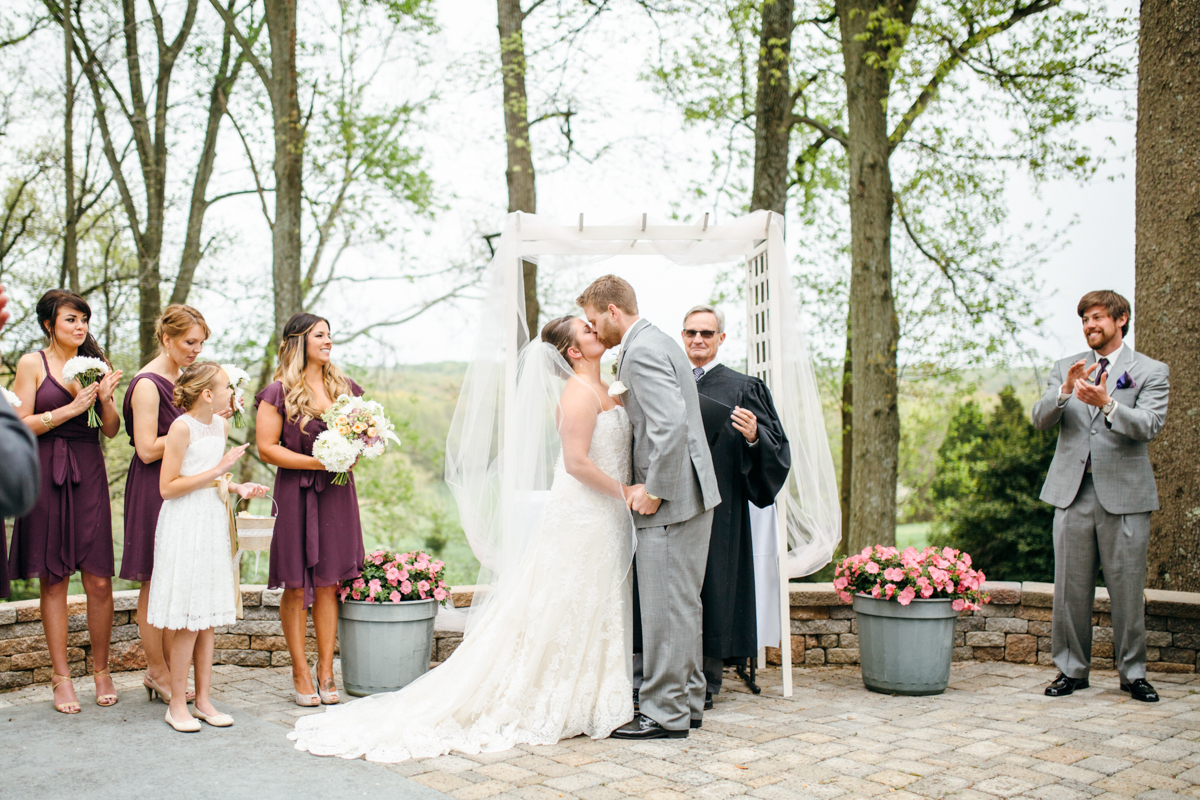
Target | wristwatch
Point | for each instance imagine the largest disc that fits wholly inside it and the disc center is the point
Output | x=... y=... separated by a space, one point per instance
x=48 y=420
x=1109 y=407
x=652 y=497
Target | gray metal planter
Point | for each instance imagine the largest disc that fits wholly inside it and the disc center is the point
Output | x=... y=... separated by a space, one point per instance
x=905 y=649
x=384 y=646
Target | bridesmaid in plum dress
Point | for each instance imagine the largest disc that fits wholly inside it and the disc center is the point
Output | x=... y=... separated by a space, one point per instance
x=318 y=538
x=149 y=412
x=70 y=527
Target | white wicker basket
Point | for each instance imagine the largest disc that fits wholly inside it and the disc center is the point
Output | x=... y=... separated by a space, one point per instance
x=255 y=532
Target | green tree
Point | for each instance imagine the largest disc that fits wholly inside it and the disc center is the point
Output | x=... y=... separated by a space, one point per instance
x=989 y=475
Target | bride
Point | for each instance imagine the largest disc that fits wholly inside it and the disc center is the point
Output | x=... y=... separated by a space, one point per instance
x=546 y=653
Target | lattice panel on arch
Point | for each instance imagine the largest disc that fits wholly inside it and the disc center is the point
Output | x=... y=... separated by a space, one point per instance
x=758 y=316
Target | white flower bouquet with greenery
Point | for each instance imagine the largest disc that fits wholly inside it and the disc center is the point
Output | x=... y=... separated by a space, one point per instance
x=238 y=381
x=86 y=370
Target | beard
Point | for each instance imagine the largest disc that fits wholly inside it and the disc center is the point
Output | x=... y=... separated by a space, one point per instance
x=1100 y=339
x=607 y=333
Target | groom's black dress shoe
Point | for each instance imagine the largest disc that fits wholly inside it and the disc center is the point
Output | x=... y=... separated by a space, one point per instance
x=697 y=723
x=1063 y=686
x=708 y=701
x=1141 y=690
x=642 y=727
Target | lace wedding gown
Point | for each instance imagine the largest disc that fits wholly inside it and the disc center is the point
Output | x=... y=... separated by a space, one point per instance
x=538 y=666
x=192 y=582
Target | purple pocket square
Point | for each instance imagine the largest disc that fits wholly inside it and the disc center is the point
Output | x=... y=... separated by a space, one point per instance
x=1126 y=381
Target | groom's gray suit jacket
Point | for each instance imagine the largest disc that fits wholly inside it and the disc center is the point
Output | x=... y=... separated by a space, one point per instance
x=1121 y=468
x=670 y=452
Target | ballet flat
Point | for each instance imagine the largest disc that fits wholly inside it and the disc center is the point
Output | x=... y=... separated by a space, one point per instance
x=191 y=726
x=217 y=720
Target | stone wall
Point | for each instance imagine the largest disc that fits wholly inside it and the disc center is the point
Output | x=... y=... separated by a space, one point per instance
x=1014 y=626
x=254 y=641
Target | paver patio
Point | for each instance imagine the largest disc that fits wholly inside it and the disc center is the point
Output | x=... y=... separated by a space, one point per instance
x=992 y=734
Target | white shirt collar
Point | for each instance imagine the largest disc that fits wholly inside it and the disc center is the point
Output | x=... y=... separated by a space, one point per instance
x=709 y=366
x=629 y=330
x=1112 y=357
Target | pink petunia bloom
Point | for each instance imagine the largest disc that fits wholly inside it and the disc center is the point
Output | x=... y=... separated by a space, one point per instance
x=845 y=597
x=343 y=593
x=439 y=594
x=377 y=558
x=907 y=595
x=406 y=587
x=370 y=598
x=404 y=573
x=395 y=597
x=841 y=583
x=866 y=552
x=889 y=590
x=423 y=587
x=423 y=597
x=894 y=574
x=374 y=586
x=359 y=583
x=875 y=590
x=872 y=567
x=959 y=604
x=393 y=576
x=356 y=595
x=927 y=590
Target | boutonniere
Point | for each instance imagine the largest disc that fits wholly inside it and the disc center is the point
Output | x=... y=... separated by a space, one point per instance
x=617 y=389
x=618 y=361
x=1126 y=381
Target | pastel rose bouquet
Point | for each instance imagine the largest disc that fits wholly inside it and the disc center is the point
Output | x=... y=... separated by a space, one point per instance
x=889 y=574
x=86 y=370
x=354 y=428
x=238 y=381
x=396 y=577
x=11 y=397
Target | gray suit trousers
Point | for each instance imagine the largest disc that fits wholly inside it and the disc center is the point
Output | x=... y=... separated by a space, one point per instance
x=1083 y=531
x=671 y=562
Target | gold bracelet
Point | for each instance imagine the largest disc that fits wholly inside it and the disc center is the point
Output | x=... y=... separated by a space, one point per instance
x=48 y=420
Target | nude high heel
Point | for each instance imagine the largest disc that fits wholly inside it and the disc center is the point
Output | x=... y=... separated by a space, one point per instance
x=104 y=700
x=70 y=707
x=308 y=700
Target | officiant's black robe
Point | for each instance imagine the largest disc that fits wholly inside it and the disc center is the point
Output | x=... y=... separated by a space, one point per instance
x=745 y=474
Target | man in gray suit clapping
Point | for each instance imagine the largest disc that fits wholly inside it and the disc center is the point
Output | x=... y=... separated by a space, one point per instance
x=672 y=500
x=1110 y=402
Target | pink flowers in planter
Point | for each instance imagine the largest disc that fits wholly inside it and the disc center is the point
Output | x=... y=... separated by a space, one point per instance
x=395 y=578
x=887 y=573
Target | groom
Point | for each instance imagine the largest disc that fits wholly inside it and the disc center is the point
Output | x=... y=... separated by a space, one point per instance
x=672 y=501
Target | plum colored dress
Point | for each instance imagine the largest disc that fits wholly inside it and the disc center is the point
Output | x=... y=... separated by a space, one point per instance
x=318 y=538
x=70 y=526
x=5 y=591
x=142 y=500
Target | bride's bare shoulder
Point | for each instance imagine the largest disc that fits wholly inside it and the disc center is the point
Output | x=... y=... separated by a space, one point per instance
x=579 y=398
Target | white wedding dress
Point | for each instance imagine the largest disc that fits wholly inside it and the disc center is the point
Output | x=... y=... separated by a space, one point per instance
x=546 y=662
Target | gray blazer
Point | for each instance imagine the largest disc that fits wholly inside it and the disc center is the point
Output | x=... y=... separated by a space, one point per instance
x=670 y=451
x=20 y=475
x=1121 y=468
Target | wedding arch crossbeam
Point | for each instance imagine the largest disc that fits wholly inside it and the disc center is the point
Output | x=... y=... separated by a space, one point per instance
x=804 y=526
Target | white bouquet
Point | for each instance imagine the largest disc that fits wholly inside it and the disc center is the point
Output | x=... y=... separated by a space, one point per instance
x=87 y=371
x=362 y=428
x=11 y=397
x=238 y=381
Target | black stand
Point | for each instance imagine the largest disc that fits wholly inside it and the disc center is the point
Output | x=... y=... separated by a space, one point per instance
x=748 y=678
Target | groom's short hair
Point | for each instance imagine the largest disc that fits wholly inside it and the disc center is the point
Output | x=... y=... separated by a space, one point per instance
x=606 y=291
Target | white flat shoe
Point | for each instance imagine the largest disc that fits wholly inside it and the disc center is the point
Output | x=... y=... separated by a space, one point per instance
x=191 y=726
x=217 y=720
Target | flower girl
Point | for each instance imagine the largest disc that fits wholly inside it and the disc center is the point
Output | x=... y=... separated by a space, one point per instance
x=192 y=587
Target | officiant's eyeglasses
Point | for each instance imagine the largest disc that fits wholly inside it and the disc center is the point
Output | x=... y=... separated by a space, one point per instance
x=705 y=335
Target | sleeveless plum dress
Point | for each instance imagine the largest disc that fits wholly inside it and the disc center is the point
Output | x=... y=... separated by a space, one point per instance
x=142 y=500
x=70 y=526
x=318 y=538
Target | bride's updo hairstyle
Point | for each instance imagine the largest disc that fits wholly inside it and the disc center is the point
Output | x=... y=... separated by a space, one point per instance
x=560 y=334
x=194 y=379
x=299 y=400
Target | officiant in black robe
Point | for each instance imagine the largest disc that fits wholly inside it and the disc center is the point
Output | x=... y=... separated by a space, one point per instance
x=751 y=457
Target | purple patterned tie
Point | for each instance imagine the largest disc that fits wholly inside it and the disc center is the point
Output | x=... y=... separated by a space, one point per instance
x=1099 y=377
x=698 y=372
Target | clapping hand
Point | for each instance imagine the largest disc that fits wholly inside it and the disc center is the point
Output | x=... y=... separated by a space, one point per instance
x=1078 y=371
x=230 y=458
x=1094 y=394
x=108 y=385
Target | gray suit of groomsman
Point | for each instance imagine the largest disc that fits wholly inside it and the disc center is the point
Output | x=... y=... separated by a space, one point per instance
x=1109 y=401
x=676 y=486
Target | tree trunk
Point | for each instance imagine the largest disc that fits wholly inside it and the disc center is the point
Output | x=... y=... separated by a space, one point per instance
x=772 y=108
x=289 y=161
x=875 y=414
x=1168 y=273
x=522 y=194
x=70 y=265
x=847 y=438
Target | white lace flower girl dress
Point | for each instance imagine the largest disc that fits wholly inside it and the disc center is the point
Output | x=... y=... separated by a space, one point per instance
x=192 y=583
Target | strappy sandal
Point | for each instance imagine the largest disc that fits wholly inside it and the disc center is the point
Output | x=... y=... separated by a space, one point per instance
x=104 y=700
x=70 y=707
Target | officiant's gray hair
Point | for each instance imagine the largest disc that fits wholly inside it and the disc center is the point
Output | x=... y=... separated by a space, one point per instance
x=702 y=309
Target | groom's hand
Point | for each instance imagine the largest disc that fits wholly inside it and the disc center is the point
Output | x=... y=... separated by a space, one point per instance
x=640 y=501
